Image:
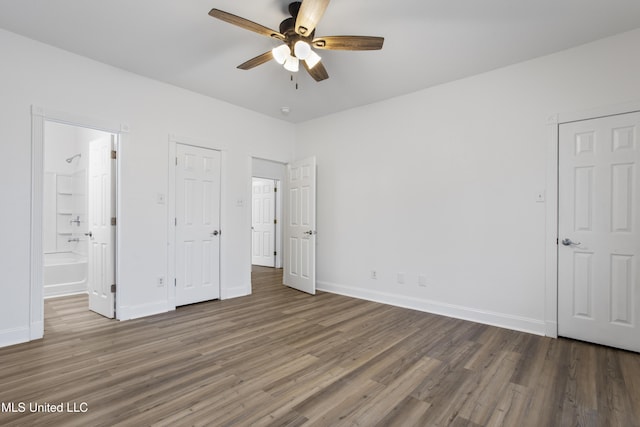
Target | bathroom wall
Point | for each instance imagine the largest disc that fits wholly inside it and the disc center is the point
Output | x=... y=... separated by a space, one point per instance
x=65 y=189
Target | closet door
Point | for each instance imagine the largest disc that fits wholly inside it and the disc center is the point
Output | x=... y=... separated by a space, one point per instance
x=197 y=224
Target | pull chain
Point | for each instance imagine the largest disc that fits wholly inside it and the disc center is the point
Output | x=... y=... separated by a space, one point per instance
x=296 y=80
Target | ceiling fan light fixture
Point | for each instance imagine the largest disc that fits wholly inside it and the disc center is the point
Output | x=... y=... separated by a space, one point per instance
x=312 y=59
x=301 y=49
x=281 y=53
x=292 y=64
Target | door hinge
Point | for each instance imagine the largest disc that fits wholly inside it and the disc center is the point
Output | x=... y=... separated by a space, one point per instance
x=113 y=220
x=275 y=189
x=114 y=155
x=113 y=289
x=275 y=221
x=275 y=253
x=176 y=161
x=175 y=282
x=175 y=221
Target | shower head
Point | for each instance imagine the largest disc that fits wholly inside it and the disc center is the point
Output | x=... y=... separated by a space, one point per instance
x=73 y=157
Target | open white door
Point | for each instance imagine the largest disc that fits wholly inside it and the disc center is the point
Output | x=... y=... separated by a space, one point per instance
x=263 y=225
x=300 y=227
x=599 y=231
x=102 y=230
x=197 y=224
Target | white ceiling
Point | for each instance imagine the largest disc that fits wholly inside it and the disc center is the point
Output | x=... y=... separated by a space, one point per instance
x=427 y=42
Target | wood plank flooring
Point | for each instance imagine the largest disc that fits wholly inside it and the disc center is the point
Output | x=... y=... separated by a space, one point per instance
x=283 y=358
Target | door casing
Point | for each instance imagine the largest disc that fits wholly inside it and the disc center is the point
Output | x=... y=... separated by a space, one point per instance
x=39 y=115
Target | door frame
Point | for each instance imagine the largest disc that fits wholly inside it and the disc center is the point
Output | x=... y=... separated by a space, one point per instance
x=280 y=202
x=171 y=213
x=552 y=207
x=40 y=115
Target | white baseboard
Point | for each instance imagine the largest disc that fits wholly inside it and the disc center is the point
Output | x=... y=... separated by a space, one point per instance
x=37 y=331
x=551 y=329
x=238 y=291
x=518 y=323
x=142 y=310
x=14 y=336
x=65 y=289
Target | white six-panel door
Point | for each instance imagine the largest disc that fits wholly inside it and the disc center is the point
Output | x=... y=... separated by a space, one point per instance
x=599 y=236
x=263 y=222
x=300 y=229
x=197 y=224
x=101 y=248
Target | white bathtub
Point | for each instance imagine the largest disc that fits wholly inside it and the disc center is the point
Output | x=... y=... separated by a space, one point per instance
x=64 y=273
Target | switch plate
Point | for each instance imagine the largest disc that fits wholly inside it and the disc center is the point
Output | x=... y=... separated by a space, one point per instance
x=539 y=196
x=160 y=198
x=374 y=274
x=422 y=280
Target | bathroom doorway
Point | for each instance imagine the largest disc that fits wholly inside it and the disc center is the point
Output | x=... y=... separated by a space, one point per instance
x=78 y=217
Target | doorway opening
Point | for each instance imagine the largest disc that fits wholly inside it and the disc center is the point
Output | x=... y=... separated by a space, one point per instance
x=68 y=226
x=78 y=214
x=267 y=177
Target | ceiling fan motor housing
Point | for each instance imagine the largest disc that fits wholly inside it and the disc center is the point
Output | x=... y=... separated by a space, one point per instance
x=294 y=8
x=287 y=28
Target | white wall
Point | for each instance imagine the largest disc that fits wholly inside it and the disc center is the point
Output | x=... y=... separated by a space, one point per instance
x=442 y=183
x=36 y=74
x=267 y=169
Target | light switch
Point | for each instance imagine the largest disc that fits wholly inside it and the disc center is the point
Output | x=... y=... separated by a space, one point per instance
x=539 y=196
x=160 y=198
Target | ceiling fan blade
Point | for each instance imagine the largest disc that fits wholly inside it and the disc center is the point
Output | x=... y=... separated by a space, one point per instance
x=245 y=23
x=318 y=72
x=309 y=15
x=348 y=43
x=258 y=60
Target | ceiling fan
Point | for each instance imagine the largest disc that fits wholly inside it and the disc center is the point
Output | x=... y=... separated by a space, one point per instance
x=298 y=36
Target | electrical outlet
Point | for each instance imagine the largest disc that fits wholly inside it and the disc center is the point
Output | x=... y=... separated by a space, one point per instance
x=160 y=281
x=401 y=278
x=422 y=280
x=374 y=274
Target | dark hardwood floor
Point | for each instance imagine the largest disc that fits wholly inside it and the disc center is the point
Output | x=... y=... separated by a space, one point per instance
x=283 y=358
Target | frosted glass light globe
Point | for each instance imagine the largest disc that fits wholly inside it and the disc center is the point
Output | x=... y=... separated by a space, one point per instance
x=281 y=53
x=292 y=64
x=301 y=49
